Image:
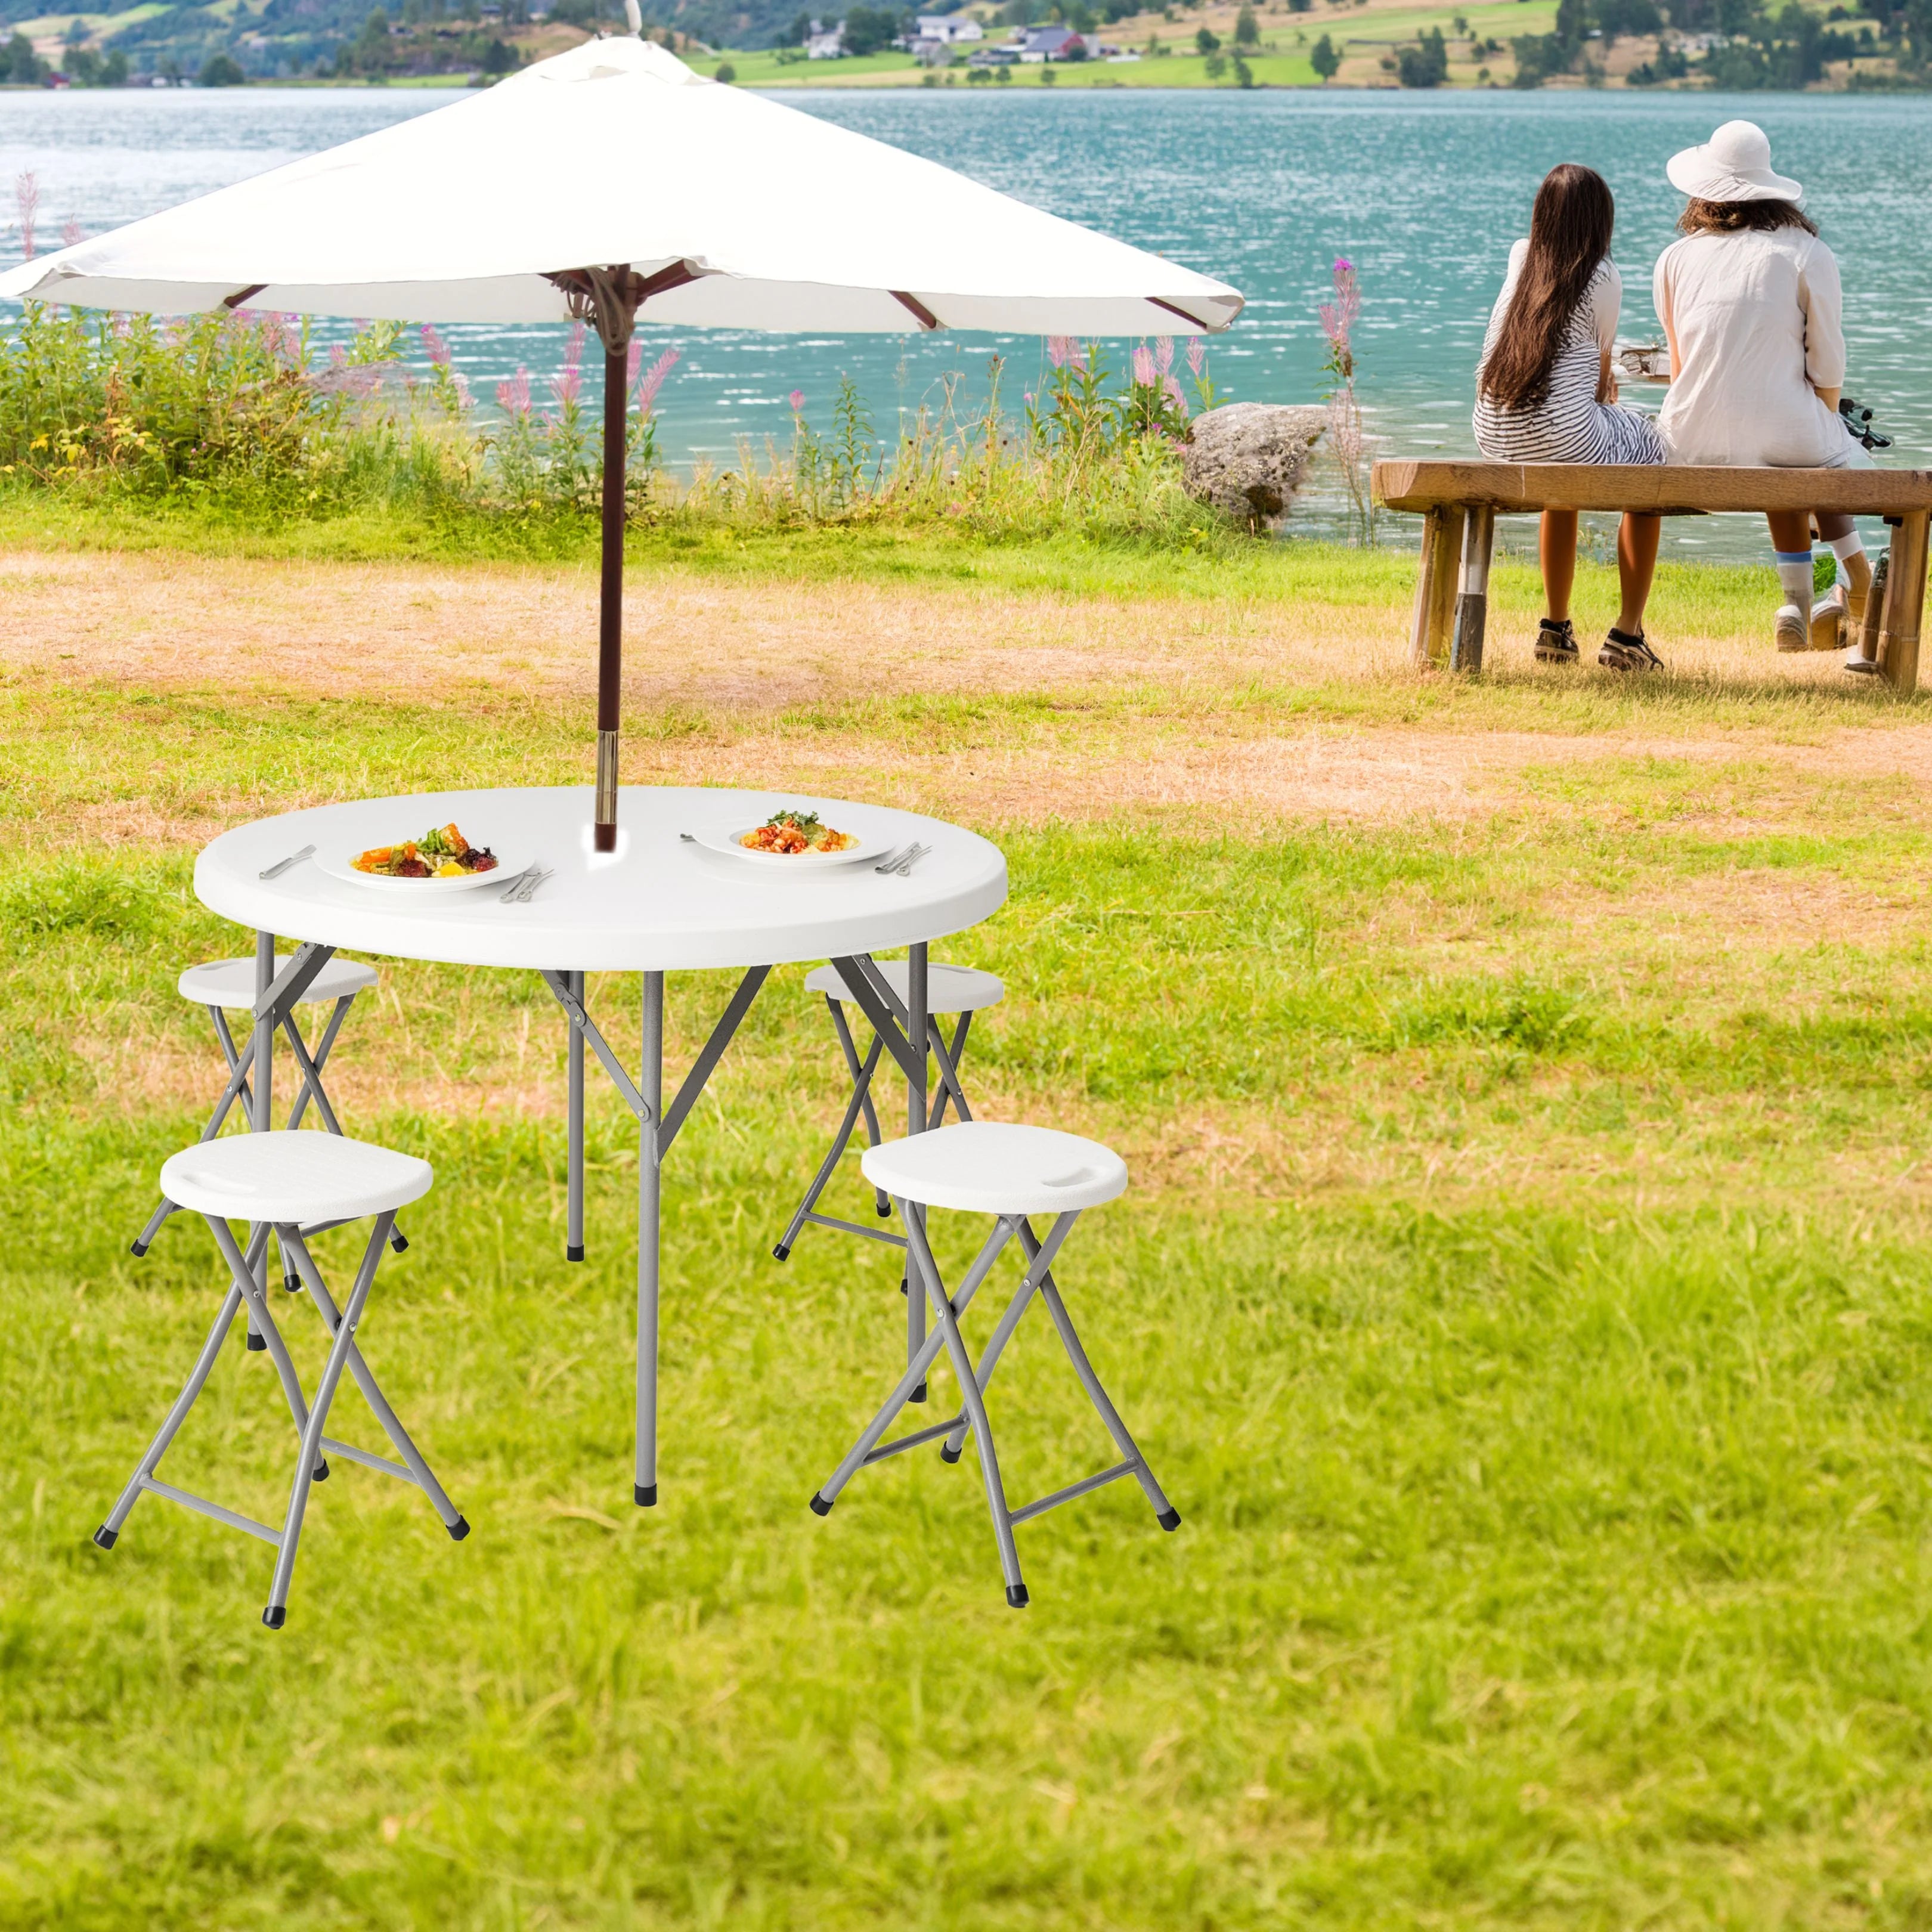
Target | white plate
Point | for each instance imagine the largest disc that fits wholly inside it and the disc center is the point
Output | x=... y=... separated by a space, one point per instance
x=337 y=866
x=728 y=843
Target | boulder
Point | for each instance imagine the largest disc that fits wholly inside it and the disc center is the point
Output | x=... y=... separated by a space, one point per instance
x=1247 y=460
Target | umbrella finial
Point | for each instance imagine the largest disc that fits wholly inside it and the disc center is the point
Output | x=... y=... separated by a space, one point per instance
x=634 y=18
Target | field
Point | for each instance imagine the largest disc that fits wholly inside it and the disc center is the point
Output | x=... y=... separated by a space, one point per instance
x=1522 y=1290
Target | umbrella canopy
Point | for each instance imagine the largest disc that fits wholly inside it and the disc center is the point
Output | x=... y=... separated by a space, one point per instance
x=612 y=184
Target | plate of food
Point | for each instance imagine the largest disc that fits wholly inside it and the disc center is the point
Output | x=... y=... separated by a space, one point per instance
x=794 y=839
x=437 y=861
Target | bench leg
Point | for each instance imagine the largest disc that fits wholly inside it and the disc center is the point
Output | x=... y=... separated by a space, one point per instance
x=1904 y=602
x=1435 y=586
x=1874 y=616
x=1472 y=600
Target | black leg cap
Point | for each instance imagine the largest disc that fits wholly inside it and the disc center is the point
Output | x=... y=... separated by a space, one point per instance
x=902 y=1286
x=644 y=1494
x=820 y=1507
x=321 y=1471
x=137 y=1247
x=918 y=1394
x=257 y=1342
x=1016 y=1597
x=459 y=1529
x=781 y=1252
x=277 y=1614
x=949 y=1454
x=1169 y=1519
x=885 y=1213
x=399 y=1241
x=292 y=1283
x=573 y=1254
x=106 y=1537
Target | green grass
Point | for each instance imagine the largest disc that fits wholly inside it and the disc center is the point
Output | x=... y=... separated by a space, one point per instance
x=1523 y=1301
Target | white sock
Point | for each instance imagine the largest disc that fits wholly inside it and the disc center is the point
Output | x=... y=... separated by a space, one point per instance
x=1844 y=548
x=1794 y=576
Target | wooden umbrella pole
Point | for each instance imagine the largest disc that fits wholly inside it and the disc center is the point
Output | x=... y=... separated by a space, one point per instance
x=610 y=600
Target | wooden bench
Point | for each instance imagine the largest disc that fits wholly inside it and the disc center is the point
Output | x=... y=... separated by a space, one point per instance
x=1460 y=502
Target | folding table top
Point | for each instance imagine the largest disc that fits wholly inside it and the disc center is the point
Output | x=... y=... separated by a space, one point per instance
x=658 y=904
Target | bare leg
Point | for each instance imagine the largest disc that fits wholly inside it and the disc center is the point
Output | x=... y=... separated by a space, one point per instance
x=1636 y=564
x=1791 y=529
x=1556 y=550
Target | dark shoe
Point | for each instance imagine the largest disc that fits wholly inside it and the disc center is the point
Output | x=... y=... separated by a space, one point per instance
x=1555 y=644
x=1622 y=651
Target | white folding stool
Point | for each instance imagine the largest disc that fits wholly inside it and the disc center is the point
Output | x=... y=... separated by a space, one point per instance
x=964 y=990
x=291 y=1182
x=222 y=983
x=986 y=1167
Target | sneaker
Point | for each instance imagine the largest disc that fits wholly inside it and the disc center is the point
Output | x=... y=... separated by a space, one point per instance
x=1829 y=616
x=1622 y=651
x=1794 y=629
x=1555 y=644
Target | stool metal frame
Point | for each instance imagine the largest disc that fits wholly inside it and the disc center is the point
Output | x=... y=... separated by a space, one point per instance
x=277 y=994
x=311 y=1419
x=950 y=1094
x=972 y=1419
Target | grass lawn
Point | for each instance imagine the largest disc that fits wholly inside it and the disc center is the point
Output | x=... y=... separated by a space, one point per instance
x=1522 y=1292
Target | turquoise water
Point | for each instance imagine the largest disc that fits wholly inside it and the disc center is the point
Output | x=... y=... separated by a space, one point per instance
x=1423 y=193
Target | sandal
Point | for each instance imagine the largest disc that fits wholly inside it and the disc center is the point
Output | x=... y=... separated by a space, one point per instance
x=1555 y=643
x=1622 y=651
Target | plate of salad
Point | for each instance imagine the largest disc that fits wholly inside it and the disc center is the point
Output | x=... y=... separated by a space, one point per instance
x=795 y=839
x=441 y=860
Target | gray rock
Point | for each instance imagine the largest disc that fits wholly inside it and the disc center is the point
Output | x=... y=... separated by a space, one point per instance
x=1247 y=460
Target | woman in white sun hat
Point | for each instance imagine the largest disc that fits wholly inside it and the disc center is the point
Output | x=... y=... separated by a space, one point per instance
x=1749 y=301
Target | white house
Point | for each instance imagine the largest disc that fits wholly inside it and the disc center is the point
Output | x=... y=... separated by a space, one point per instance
x=952 y=29
x=825 y=43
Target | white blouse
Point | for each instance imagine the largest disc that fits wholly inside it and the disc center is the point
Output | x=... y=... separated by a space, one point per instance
x=1755 y=319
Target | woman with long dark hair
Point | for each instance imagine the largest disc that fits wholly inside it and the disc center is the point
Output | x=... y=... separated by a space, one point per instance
x=1545 y=393
x=1749 y=301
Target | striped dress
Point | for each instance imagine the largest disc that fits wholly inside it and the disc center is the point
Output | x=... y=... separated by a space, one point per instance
x=1571 y=426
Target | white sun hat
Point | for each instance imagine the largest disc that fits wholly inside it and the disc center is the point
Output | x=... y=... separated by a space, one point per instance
x=1733 y=165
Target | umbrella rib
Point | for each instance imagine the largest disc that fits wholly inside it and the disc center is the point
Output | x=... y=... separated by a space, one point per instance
x=1192 y=321
x=240 y=295
x=927 y=319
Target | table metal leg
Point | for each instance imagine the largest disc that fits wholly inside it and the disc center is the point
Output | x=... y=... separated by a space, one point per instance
x=916 y=1118
x=650 y=1087
x=262 y=1119
x=574 y=1236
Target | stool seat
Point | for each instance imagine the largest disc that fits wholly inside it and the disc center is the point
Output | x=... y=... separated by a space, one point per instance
x=994 y=1167
x=293 y=1178
x=231 y=982
x=949 y=989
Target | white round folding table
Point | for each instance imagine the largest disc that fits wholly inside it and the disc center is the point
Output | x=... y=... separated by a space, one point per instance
x=661 y=903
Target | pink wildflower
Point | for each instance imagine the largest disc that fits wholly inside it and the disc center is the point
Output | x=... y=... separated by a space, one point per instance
x=1172 y=386
x=438 y=348
x=797 y=400
x=460 y=383
x=1339 y=317
x=1064 y=352
x=1143 y=368
x=338 y=359
x=513 y=397
x=1163 y=353
x=27 y=199
x=1197 y=355
x=71 y=232
x=647 y=390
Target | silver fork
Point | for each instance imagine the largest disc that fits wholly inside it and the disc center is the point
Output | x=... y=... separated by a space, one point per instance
x=903 y=867
x=536 y=877
x=890 y=861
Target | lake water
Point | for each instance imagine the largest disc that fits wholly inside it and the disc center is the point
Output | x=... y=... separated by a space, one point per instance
x=1424 y=192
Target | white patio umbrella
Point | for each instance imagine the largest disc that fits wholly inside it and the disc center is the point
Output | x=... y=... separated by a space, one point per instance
x=614 y=185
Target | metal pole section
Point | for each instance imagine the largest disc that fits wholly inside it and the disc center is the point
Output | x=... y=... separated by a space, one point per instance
x=610 y=600
x=916 y=1114
x=574 y=1237
x=650 y=1085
